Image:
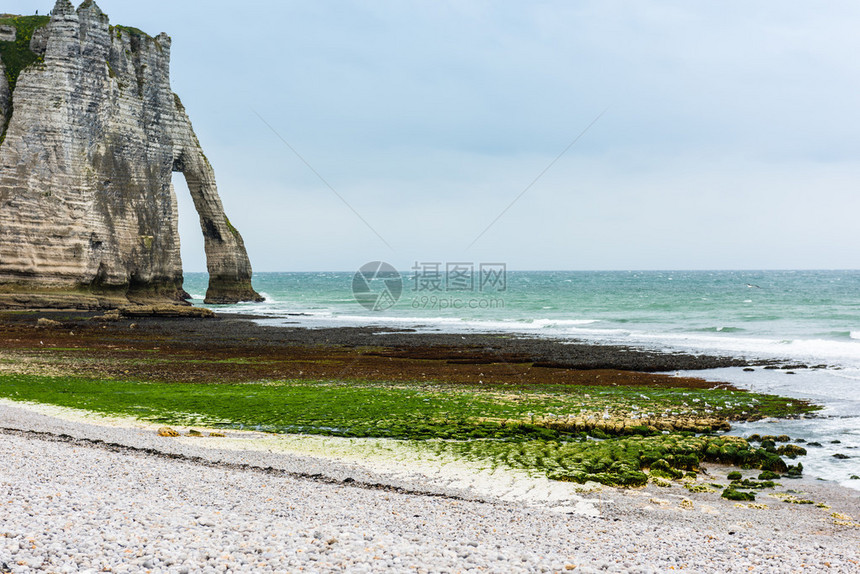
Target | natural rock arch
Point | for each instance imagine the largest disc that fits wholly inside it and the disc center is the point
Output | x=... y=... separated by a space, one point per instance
x=91 y=136
x=226 y=258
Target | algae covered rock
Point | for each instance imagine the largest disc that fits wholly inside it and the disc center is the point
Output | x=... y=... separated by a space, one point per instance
x=795 y=471
x=661 y=468
x=791 y=450
x=165 y=311
x=773 y=463
x=747 y=483
x=731 y=493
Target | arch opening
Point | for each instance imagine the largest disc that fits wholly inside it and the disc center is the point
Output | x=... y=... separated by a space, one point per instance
x=191 y=243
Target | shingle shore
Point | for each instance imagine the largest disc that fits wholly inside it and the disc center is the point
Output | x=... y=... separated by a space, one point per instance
x=70 y=503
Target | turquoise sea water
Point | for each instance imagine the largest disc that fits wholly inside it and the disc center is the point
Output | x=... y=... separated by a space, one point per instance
x=808 y=317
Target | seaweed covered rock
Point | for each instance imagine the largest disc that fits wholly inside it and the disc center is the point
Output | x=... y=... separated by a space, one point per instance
x=630 y=461
x=731 y=493
x=624 y=426
x=747 y=483
x=795 y=471
x=790 y=450
x=663 y=469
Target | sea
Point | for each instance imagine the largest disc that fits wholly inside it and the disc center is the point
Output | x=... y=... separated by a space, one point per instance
x=808 y=320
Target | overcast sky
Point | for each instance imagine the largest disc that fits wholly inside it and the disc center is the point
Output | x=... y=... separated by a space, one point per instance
x=730 y=134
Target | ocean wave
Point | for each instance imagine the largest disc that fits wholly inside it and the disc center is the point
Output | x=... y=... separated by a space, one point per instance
x=812 y=350
x=546 y=327
x=715 y=339
x=841 y=334
x=545 y=323
x=720 y=330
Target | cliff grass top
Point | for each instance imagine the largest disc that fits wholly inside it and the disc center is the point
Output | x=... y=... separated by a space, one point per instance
x=17 y=55
x=130 y=30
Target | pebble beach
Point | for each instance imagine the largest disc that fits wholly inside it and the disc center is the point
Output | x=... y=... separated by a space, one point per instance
x=516 y=407
x=90 y=495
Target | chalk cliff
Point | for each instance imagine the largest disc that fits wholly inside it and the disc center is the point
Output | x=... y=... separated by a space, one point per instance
x=91 y=134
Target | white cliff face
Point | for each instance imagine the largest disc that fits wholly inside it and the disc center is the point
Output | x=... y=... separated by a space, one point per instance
x=87 y=208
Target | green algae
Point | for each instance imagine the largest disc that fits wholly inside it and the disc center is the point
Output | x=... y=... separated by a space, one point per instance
x=360 y=408
x=699 y=488
x=731 y=493
x=618 y=461
x=794 y=471
x=791 y=498
x=791 y=450
x=233 y=230
x=747 y=483
x=512 y=427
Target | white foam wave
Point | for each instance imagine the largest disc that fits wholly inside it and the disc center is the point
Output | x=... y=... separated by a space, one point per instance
x=813 y=351
x=562 y=322
x=843 y=353
x=549 y=327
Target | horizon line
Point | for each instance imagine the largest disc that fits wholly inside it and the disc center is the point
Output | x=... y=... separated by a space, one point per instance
x=641 y=270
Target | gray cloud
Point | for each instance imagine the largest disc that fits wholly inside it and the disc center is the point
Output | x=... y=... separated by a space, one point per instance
x=730 y=140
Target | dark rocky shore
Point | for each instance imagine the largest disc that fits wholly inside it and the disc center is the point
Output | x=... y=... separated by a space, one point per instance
x=469 y=348
x=337 y=507
x=236 y=348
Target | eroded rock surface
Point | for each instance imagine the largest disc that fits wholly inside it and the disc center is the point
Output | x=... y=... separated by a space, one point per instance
x=88 y=213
